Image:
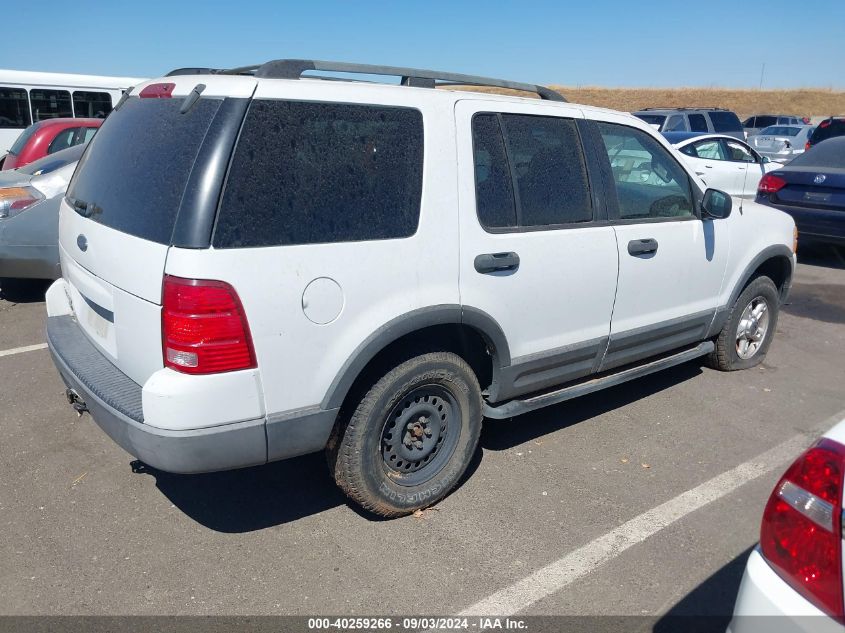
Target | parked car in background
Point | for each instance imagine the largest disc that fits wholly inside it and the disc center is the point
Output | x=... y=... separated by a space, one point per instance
x=263 y=305
x=795 y=574
x=29 y=215
x=47 y=137
x=706 y=120
x=812 y=190
x=829 y=128
x=757 y=123
x=781 y=143
x=723 y=162
x=28 y=97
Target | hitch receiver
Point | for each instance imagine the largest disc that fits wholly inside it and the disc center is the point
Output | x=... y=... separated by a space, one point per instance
x=76 y=401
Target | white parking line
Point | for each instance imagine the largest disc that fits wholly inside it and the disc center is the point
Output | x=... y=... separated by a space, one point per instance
x=21 y=350
x=578 y=563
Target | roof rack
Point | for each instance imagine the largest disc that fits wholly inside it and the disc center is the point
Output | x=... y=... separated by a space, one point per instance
x=415 y=77
x=684 y=108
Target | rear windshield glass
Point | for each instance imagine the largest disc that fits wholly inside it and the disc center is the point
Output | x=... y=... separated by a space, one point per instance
x=831 y=153
x=307 y=173
x=23 y=139
x=828 y=129
x=725 y=121
x=779 y=130
x=652 y=119
x=135 y=170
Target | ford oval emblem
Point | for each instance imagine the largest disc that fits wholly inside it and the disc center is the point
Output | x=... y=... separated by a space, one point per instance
x=819 y=179
x=82 y=242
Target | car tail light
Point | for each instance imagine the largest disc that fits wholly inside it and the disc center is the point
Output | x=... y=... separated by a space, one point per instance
x=806 y=146
x=770 y=184
x=801 y=534
x=203 y=327
x=157 y=91
x=13 y=200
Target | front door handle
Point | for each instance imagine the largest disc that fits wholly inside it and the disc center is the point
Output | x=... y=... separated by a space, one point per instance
x=642 y=247
x=494 y=262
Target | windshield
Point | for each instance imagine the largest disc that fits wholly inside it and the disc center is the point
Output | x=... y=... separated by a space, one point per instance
x=23 y=139
x=137 y=166
x=780 y=130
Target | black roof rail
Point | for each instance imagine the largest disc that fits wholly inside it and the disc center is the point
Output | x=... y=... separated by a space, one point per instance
x=416 y=77
x=194 y=71
x=683 y=108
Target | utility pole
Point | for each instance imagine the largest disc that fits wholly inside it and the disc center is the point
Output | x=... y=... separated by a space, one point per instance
x=762 y=70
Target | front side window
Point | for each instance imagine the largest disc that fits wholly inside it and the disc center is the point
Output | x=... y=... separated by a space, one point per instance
x=50 y=104
x=650 y=183
x=309 y=173
x=92 y=105
x=675 y=123
x=529 y=171
x=710 y=150
x=14 y=108
x=697 y=123
x=739 y=153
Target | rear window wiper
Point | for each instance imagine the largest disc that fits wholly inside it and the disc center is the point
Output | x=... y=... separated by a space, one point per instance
x=85 y=209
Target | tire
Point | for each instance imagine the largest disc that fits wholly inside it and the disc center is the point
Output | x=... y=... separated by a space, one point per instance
x=411 y=437
x=742 y=348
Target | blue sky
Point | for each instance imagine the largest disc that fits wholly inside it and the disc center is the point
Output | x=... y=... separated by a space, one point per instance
x=592 y=42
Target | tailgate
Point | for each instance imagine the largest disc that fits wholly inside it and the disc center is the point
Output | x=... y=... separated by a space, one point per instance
x=149 y=179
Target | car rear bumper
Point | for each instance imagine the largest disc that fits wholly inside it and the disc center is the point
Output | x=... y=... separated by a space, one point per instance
x=814 y=224
x=765 y=602
x=115 y=403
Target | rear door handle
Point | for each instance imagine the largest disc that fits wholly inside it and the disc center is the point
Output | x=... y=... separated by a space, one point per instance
x=494 y=262
x=641 y=247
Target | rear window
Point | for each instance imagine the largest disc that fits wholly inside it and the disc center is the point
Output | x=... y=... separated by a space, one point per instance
x=828 y=129
x=308 y=173
x=135 y=170
x=725 y=122
x=780 y=130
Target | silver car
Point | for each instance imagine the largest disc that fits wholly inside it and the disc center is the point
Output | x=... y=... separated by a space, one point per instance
x=29 y=215
x=781 y=143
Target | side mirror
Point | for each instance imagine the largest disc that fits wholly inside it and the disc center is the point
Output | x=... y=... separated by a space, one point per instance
x=716 y=204
x=765 y=159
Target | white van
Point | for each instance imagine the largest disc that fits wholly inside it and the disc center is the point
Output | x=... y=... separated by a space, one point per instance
x=27 y=97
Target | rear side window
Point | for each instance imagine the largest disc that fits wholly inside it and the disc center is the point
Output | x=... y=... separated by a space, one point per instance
x=14 y=108
x=766 y=121
x=50 y=104
x=697 y=123
x=135 y=170
x=307 y=173
x=533 y=165
x=725 y=121
x=63 y=140
x=91 y=104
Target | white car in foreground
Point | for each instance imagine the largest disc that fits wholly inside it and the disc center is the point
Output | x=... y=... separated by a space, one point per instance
x=723 y=162
x=796 y=571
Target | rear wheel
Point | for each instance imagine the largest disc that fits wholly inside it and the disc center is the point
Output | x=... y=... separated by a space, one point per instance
x=411 y=437
x=748 y=332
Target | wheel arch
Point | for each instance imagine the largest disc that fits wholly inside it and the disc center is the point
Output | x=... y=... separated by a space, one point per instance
x=436 y=326
x=775 y=262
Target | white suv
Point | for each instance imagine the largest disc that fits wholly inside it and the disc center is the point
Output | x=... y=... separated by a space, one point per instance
x=258 y=265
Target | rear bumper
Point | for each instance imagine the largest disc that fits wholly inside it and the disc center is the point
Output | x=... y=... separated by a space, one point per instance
x=115 y=403
x=814 y=224
x=766 y=603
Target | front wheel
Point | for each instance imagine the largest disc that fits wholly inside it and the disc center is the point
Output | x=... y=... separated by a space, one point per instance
x=411 y=437
x=748 y=332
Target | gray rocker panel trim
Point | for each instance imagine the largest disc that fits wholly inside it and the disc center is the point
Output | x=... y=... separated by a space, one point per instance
x=393 y=330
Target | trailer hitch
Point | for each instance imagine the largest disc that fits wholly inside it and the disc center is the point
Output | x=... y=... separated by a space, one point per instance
x=76 y=401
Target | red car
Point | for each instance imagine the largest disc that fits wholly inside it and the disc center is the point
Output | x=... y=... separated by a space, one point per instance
x=47 y=137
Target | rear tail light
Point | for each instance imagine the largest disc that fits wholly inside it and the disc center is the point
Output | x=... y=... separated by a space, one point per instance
x=806 y=146
x=13 y=200
x=203 y=327
x=770 y=183
x=157 y=91
x=801 y=534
